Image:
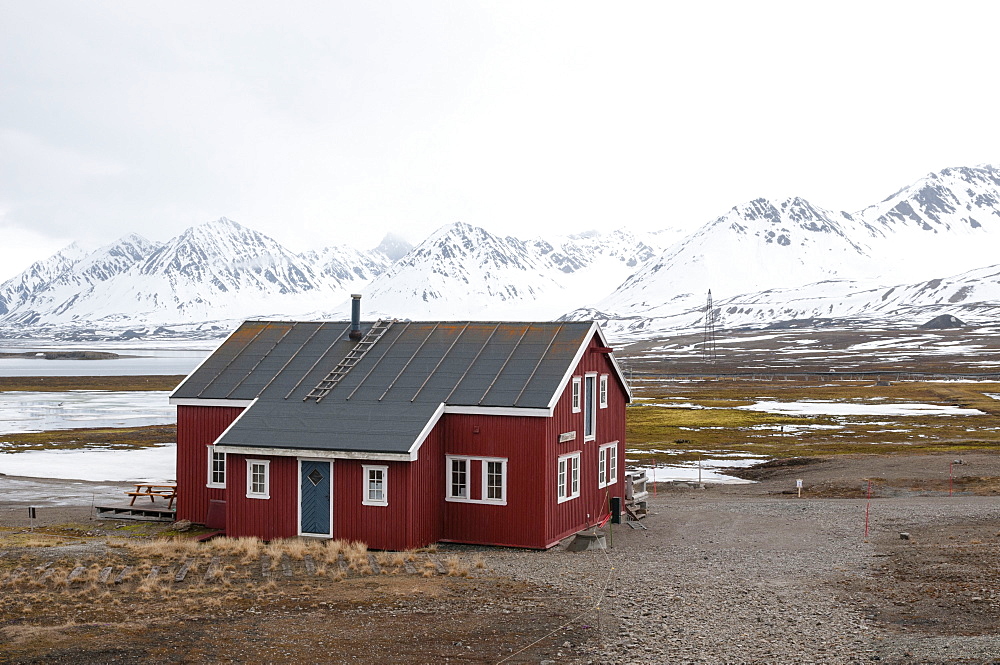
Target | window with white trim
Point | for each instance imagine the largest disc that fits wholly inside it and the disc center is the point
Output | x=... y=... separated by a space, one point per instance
x=216 y=467
x=492 y=479
x=603 y=398
x=568 y=480
x=458 y=478
x=589 y=407
x=375 y=485
x=495 y=480
x=258 y=479
x=607 y=465
x=576 y=394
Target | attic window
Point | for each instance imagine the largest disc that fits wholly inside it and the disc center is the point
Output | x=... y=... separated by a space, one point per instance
x=603 y=391
x=576 y=394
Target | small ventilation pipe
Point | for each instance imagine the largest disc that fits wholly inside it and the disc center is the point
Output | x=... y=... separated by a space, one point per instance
x=355 y=316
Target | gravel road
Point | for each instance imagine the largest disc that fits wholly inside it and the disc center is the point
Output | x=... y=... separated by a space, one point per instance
x=722 y=577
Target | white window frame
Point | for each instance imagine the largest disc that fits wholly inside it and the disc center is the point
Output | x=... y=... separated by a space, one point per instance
x=212 y=453
x=577 y=393
x=568 y=477
x=265 y=493
x=602 y=391
x=486 y=461
x=366 y=473
x=449 y=485
x=607 y=464
x=590 y=399
x=466 y=461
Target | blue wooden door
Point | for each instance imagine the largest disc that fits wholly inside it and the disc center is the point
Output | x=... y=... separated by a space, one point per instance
x=314 y=497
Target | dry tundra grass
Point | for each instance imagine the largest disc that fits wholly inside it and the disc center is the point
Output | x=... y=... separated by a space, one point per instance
x=219 y=573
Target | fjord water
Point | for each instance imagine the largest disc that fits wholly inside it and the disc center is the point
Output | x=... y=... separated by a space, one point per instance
x=131 y=363
x=44 y=411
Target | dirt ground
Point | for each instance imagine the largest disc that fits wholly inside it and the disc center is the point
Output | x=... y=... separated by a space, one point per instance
x=464 y=604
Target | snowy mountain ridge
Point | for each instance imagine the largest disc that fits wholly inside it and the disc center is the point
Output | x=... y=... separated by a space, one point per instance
x=928 y=247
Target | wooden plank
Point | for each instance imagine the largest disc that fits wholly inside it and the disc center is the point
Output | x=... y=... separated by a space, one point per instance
x=286 y=565
x=123 y=574
x=153 y=572
x=182 y=573
x=410 y=570
x=438 y=565
x=75 y=574
x=376 y=569
x=310 y=564
x=46 y=575
x=265 y=566
x=213 y=566
x=105 y=574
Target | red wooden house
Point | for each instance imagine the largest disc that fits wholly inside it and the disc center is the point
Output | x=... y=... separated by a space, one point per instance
x=400 y=434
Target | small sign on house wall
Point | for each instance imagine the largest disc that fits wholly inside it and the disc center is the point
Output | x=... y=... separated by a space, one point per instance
x=567 y=436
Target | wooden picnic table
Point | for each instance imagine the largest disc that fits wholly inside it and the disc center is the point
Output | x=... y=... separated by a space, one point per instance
x=152 y=490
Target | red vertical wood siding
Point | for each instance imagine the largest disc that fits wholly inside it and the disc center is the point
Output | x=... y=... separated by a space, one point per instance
x=275 y=517
x=426 y=486
x=198 y=427
x=381 y=527
x=415 y=494
x=520 y=523
x=592 y=505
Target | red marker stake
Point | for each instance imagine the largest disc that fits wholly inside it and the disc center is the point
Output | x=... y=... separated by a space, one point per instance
x=868 y=508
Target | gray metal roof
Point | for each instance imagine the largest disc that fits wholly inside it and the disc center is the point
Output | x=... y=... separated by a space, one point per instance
x=384 y=402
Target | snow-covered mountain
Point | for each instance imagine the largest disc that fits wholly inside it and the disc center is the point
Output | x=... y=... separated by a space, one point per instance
x=459 y=266
x=67 y=288
x=974 y=294
x=393 y=246
x=215 y=271
x=765 y=262
x=463 y=271
x=949 y=220
x=20 y=289
x=756 y=245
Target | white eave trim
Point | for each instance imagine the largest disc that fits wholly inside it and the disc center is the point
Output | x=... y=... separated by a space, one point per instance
x=302 y=453
x=500 y=411
x=194 y=401
x=425 y=432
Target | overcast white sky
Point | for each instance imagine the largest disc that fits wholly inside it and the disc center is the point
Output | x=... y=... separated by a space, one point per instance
x=323 y=123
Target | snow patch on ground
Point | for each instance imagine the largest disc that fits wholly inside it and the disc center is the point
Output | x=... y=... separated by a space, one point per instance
x=824 y=408
x=710 y=471
x=156 y=463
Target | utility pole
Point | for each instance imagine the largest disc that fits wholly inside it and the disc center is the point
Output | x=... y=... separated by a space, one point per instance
x=708 y=338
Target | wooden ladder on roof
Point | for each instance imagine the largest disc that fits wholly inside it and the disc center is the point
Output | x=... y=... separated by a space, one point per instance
x=352 y=358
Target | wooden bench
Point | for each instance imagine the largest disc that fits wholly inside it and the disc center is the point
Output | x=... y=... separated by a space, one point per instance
x=166 y=491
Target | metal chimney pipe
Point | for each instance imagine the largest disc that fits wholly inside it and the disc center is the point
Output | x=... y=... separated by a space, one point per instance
x=355 y=316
